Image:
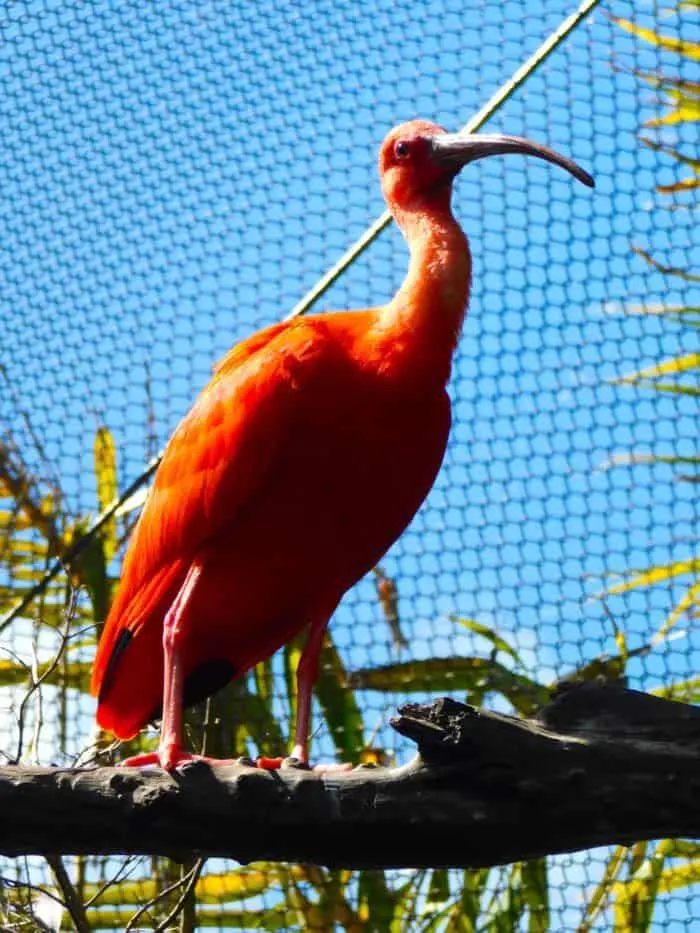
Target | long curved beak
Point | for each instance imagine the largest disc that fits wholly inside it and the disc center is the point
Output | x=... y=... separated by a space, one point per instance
x=459 y=149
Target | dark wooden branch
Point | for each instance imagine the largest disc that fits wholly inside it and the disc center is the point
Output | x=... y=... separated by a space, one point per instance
x=600 y=765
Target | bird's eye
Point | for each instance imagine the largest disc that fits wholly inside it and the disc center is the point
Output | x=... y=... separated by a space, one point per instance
x=401 y=149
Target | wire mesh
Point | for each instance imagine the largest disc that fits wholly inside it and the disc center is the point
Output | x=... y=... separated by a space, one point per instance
x=176 y=175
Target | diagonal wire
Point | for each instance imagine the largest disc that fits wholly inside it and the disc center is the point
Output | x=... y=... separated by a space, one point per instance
x=504 y=93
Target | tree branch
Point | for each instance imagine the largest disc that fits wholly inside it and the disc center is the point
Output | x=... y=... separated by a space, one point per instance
x=599 y=765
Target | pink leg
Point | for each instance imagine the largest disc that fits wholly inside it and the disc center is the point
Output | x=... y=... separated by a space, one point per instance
x=170 y=752
x=307 y=673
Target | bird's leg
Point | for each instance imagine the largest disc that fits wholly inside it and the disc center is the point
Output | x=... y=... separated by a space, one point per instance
x=307 y=672
x=170 y=752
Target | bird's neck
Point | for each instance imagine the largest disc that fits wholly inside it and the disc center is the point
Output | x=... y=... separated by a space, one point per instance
x=423 y=322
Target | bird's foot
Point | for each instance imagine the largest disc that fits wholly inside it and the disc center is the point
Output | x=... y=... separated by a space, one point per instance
x=170 y=758
x=274 y=764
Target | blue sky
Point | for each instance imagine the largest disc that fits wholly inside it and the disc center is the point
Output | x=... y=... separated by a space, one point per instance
x=175 y=175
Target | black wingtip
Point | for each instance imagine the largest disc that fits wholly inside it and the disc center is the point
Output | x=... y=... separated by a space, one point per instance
x=123 y=640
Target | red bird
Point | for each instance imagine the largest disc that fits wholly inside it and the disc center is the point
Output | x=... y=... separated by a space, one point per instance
x=299 y=465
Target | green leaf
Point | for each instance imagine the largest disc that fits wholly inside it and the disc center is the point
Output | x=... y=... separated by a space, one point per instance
x=215 y=726
x=675 y=388
x=262 y=675
x=499 y=644
x=105 y=457
x=506 y=913
x=438 y=887
x=635 y=898
x=536 y=894
x=599 y=899
x=444 y=918
x=436 y=675
x=255 y=715
x=91 y=569
x=291 y=657
x=405 y=899
x=606 y=667
x=338 y=703
x=674 y=153
x=682 y=848
x=665 y=269
x=469 y=905
x=376 y=902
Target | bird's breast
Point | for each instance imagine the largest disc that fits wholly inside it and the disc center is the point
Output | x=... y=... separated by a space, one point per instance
x=363 y=457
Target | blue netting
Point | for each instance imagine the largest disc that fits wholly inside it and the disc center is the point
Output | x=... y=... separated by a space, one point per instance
x=176 y=175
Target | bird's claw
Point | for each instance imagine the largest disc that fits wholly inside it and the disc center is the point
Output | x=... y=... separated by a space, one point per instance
x=332 y=767
x=292 y=763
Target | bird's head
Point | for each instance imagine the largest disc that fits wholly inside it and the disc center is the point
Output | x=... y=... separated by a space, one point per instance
x=419 y=160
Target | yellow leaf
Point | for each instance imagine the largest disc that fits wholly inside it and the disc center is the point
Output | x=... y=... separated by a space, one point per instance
x=499 y=644
x=105 y=453
x=684 y=848
x=211 y=889
x=691 y=598
x=690 y=50
x=371 y=755
x=636 y=897
x=240 y=883
x=686 y=690
x=688 y=112
x=686 y=184
x=75 y=675
x=654 y=575
x=679 y=364
x=26 y=547
x=17 y=521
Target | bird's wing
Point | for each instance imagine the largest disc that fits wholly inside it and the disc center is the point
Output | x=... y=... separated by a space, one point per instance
x=217 y=458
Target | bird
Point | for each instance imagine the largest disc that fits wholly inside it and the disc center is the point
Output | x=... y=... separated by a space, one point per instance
x=300 y=463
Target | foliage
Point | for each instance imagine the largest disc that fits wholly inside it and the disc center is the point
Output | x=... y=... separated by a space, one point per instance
x=677 y=376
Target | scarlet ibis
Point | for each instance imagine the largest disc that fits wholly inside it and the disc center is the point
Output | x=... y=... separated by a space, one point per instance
x=301 y=462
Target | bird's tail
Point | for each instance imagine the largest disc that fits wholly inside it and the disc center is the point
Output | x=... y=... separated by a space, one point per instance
x=131 y=693
x=127 y=676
